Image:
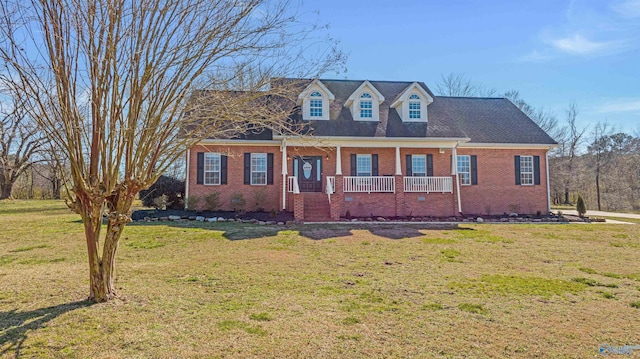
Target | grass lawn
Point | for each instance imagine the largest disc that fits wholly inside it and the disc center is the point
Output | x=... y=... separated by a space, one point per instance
x=233 y=290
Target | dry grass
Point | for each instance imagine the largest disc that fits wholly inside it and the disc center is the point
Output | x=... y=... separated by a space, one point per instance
x=244 y=291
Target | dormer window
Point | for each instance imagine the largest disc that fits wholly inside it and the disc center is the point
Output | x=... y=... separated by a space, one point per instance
x=315 y=104
x=315 y=101
x=414 y=106
x=366 y=105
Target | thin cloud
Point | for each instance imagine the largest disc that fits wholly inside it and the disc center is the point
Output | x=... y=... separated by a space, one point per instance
x=580 y=45
x=535 y=56
x=628 y=8
x=620 y=105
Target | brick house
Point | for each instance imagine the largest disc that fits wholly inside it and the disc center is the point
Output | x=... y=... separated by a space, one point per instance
x=382 y=148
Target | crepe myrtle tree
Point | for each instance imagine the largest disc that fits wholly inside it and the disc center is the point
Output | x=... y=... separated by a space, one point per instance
x=112 y=83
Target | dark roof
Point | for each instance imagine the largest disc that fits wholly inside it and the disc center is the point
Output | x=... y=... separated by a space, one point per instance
x=482 y=120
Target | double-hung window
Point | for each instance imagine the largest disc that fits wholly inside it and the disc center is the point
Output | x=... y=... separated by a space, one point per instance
x=526 y=170
x=258 y=168
x=212 y=168
x=414 y=106
x=419 y=165
x=464 y=169
x=366 y=106
x=363 y=165
x=315 y=104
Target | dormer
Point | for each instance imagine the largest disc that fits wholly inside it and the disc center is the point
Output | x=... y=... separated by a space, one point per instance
x=364 y=103
x=315 y=101
x=412 y=103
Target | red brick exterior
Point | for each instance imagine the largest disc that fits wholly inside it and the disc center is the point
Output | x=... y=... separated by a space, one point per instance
x=495 y=193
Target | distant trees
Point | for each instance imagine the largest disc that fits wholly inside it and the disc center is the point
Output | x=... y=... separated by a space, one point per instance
x=20 y=141
x=603 y=169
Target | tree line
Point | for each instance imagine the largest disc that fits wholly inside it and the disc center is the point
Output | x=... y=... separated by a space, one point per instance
x=598 y=162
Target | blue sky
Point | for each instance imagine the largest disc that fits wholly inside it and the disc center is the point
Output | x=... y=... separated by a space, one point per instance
x=553 y=52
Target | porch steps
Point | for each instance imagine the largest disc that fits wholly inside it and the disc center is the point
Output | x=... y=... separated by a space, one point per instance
x=316 y=207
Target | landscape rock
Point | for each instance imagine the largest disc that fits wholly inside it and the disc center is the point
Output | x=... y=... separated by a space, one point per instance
x=170 y=218
x=199 y=218
x=480 y=220
x=380 y=219
x=212 y=219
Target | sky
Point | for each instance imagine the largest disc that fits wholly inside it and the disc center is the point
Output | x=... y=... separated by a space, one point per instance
x=554 y=53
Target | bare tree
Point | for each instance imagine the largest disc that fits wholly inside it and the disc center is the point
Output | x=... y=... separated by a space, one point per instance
x=135 y=65
x=20 y=140
x=569 y=147
x=457 y=84
x=541 y=116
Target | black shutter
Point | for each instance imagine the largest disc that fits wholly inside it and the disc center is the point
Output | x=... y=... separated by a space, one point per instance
x=374 y=165
x=409 y=166
x=536 y=170
x=247 y=168
x=200 y=168
x=429 y=165
x=353 y=166
x=474 y=169
x=269 y=168
x=517 y=165
x=223 y=169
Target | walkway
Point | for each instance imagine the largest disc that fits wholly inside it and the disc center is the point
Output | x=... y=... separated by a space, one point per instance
x=600 y=213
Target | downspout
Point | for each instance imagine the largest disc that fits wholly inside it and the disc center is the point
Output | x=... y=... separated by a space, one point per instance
x=454 y=171
x=285 y=171
x=546 y=161
x=186 y=181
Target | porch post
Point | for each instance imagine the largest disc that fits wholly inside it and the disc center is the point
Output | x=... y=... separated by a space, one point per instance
x=454 y=172
x=398 y=166
x=285 y=171
x=338 y=161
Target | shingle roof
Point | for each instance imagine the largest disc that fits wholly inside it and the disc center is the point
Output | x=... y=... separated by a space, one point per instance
x=483 y=120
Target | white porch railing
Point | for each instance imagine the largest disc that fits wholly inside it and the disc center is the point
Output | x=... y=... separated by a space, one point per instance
x=428 y=184
x=370 y=184
x=292 y=184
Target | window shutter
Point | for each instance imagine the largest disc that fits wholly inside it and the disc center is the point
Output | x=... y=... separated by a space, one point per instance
x=223 y=169
x=474 y=169
x=247 y=168
x=200 y=168
x=269 y=168
x=374 y=165
x=429 y=165
x=409 y=166
x=517 y=165
x=353 y=165
x=536 y=170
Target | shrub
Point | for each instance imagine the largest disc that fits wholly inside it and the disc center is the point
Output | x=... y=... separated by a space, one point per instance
x=581 y=207
x=238 y=202
x=212 y=201
x=171 y=187
x=193 y=202
x=260 y=196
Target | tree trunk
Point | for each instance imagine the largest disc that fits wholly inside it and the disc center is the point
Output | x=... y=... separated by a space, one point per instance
x=598 y=187
x=5 y=190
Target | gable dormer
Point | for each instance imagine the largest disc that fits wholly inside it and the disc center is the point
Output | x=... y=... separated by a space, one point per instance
x=364 y=103
x=412 y=103
x=315 y=101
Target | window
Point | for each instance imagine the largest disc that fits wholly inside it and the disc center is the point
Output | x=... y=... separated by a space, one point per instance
x=363 y=165
x=464 y=169
x=414 y=106
x=315 y=104
x=526 y=170
x=212 y=168
x=258 y=168
x=366 y=106
x=419 y=165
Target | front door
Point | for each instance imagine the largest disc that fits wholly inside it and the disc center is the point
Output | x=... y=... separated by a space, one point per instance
x=308 y=169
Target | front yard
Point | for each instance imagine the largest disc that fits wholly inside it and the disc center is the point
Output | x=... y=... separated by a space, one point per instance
x=240 y=291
